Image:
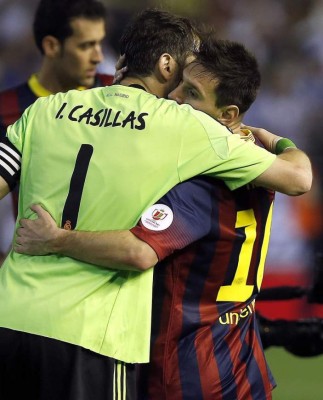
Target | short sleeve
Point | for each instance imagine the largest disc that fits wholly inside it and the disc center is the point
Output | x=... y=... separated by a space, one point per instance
x=10 y=162
x=190 y=206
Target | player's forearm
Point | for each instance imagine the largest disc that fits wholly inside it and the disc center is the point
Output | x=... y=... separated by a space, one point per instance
x=302 y=168
x=111 y=249
x=290 y=173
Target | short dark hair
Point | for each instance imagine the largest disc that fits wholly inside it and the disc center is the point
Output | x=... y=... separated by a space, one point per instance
x=233 y=67
x=152 y=33
x=53 y=17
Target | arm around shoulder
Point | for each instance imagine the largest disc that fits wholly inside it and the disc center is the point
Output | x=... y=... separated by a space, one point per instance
x=111 y=249
x=291 y=171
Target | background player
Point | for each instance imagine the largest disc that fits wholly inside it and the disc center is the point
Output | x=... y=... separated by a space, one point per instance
x=69 y=35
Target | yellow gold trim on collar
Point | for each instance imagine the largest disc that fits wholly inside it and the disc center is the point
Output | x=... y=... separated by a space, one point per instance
x=39 y=89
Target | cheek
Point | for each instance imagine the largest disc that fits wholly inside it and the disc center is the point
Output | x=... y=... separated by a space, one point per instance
x=78 y=60
x=82 y=60
x=203 y=106
x=191 y=102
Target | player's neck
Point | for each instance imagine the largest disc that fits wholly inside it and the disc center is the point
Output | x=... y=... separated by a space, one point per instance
x=234 y=125
x=150 y=84
x=49 y=79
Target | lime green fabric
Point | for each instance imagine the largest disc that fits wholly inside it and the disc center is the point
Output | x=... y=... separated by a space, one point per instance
x=141 y=147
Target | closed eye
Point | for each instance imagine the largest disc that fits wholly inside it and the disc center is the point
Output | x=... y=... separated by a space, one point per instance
x=192 y=93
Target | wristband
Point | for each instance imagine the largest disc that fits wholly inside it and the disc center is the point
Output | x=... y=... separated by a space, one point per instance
x=283 y=144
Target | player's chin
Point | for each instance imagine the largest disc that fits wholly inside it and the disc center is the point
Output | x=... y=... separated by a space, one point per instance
x=88 y=81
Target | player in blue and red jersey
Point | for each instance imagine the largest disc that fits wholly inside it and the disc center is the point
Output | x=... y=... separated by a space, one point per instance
x=205 y=342
x=69 y=35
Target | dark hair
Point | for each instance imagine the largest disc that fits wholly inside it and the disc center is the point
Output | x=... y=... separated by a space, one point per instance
x=152 y=33
x=233 y=67
x=53 y=17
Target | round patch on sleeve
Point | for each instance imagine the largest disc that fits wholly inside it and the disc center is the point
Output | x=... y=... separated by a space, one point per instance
x=157 y=217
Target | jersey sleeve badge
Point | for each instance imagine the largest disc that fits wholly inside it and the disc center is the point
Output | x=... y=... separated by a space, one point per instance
x=157 y=217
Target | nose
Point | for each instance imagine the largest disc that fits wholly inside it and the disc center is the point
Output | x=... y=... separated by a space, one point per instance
x=175 y=95
x=97 y=55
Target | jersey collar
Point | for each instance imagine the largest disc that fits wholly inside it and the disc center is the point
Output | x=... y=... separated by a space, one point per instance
x=38 y=89
x=134 y=85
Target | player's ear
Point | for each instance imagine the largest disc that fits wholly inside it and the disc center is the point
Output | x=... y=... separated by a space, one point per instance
x=51 y=46
x=166 y=66
x=228 y=114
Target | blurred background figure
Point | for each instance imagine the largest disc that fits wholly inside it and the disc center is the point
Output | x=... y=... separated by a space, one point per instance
x=69 y=36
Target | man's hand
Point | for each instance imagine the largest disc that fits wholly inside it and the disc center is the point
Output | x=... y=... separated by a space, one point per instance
x=121 y=69
x=36 y=236
x=111 y=249
x=267 y=138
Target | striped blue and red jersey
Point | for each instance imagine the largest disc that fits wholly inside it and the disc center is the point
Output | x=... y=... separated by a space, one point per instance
x=205 y=341
x=14 y=101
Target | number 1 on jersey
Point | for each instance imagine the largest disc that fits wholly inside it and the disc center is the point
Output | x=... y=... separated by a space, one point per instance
x=73 y=200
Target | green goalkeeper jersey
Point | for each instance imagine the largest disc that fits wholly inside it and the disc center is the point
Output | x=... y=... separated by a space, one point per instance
x=96 y=160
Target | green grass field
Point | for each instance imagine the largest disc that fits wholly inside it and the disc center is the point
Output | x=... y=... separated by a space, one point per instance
x=297 y=378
